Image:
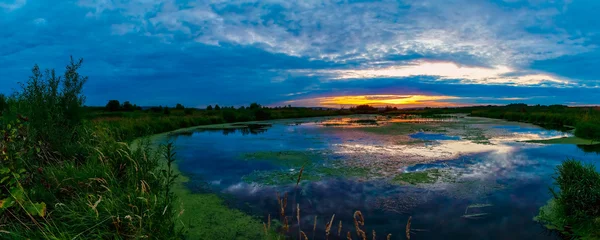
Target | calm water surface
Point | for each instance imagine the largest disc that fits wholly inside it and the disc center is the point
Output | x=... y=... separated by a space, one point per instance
x=513 y=182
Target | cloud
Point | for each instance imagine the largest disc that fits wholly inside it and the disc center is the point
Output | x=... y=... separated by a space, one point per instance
x=16 y=4
x=39 y=21
x=446 y=71
x=361 y=31
x=201 y=52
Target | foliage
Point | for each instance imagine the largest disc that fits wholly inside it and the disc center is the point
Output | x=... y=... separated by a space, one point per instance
x=552 y=116
x=179 y=107
x=575 y=210
x=54 y=106
x=113 y=105
x=3 y=103
x=217 y=108
x=96 y=187
x=209 y=108
x=588 y=130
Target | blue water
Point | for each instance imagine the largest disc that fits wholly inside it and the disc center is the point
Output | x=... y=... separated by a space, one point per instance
x=519 y=180
x=433 y=136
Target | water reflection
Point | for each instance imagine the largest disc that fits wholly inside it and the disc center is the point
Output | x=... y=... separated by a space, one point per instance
x=590 y=148
x=512 y=178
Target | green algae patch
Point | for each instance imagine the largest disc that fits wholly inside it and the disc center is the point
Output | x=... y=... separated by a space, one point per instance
x=283 y=158
x=402 y=128
x=565 y=140
x=309 y=174
x=414 y=178
x=428 y=176
x=205 y=216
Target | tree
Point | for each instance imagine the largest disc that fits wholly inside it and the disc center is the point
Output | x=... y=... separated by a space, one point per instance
x=3 y=103
x=53 y=105
x=217 y=107
x=127 y=106
x=255 y=106
x=209 y=108
x=113 y=106
x=166 y=111
x=179 y=106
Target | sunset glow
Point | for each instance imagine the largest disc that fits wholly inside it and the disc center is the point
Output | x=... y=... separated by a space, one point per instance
x=402 y=101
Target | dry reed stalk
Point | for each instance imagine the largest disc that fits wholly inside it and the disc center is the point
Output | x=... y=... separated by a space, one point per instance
x=269 y=222
x=389 y=236
x=298 y=219
x=300 y=175
x=286 y=225
x=314 y=228
x=302 y=234
x=265 y=228
x=359 y=221
x=282 y=204
x=408 y=228
x=340 y=229
x=349 y=236
x=374 y=235
x=328 y=226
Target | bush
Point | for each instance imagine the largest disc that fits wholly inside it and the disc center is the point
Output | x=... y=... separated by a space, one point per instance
x=54 y=106
x=575 y=209
x=588 y=130
x=113 y=105
x=179 y=107
x=3 y=103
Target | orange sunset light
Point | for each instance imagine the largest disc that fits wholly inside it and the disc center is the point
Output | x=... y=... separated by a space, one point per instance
x=379 y=100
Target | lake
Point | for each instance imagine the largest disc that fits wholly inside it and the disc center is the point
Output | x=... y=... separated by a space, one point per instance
x=458 y=178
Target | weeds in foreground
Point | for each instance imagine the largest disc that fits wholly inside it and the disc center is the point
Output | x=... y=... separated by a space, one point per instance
x=359 y=222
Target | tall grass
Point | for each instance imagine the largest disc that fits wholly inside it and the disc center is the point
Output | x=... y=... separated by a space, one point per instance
x=574 y=211
x=65 y=178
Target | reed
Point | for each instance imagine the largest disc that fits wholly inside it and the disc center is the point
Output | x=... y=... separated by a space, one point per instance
x=389 y=236
x=408 y=228
x=349 y=236
x=374 y=235
x=314 y=227
x=328 y=226
x=340 y=228
x=303 y=235
x=298 y=219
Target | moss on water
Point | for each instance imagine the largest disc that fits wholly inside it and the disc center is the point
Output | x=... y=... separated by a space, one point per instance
x=402 y=128
x=282 y=158
x=421 y=177
x=564 y=140
x=205 y=215
x=310 y=174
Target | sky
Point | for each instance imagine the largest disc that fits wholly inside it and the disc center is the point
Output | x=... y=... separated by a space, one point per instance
x=410 y=53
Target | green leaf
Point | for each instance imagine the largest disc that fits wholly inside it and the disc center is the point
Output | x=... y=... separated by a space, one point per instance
x=4 y=170
x=17 y=194
x=4 y=179
x=6 y=203
x=36 y=209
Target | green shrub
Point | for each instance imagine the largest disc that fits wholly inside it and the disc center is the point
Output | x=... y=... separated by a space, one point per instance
x=588 y=130
x=54 y=106
x=575 y=209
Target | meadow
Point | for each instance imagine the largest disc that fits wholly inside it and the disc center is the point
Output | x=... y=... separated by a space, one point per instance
x=70 y=171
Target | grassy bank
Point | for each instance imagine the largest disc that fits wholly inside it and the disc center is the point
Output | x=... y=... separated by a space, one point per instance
x=585 y=120
x=64 y=177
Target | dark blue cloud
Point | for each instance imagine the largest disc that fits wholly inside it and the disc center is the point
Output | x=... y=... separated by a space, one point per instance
x=197 y=53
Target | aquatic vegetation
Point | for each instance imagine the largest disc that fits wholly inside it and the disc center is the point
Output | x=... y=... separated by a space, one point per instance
x=403 y=128
x=575 y=210
x=564 y=140
x=310 y=174
x=421 y=177
x=289 y=159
